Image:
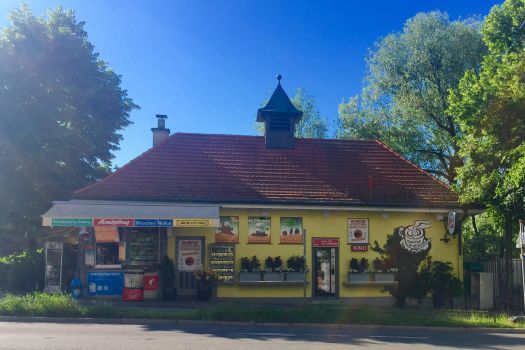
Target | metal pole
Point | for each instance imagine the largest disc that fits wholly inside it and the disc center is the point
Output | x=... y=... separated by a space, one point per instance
x=305 y=273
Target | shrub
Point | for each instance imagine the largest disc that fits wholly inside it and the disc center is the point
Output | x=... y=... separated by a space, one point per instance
x=273 y=264
x=40 y=304
x=23 y=272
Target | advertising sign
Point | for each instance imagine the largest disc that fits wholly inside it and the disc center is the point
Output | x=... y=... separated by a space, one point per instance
x=151 y=282
x=153 y=223
x=189 y=255
x=359 y=247
x=520 y=242
x=228 y=231
x=115 y=222
x=451 y=222
x=71 y=222
x=195 y=223
x=89 y=255
x=413 y=237
x=105 y=282
x=259 y=229
x=106 y=234
x=325 y=242
x=358 y=231
x=291 y=230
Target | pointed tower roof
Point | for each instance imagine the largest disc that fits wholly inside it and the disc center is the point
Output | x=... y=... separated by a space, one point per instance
x=279 y=103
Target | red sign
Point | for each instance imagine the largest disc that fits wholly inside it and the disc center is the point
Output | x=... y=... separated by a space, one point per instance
x=129 y=294
x=325 y=242
x=116 y=222
x=151 y=282
x=359 y=247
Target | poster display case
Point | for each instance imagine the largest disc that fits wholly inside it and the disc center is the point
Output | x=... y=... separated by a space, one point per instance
x=222 y=262
x=143 y=246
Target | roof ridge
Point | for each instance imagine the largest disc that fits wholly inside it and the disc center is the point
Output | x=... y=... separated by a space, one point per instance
x=415 y=166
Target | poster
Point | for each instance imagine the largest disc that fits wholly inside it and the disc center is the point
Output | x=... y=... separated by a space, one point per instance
x=89 y=255
x=106 y=234
x=228 y=231
x=259 y=229
x=291 y=230
x=358 y=231
x=190 y=255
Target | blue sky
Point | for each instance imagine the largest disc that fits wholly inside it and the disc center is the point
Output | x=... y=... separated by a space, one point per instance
x=208 y=64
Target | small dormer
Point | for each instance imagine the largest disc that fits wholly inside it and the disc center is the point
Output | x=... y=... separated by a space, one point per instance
x=279 y=117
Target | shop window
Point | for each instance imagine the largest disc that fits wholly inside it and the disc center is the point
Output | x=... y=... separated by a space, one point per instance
x=107 y=254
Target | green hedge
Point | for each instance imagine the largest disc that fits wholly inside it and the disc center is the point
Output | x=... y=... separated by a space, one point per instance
x=23 y=272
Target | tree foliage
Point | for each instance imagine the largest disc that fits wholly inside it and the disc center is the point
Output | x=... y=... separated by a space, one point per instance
x=404 y=102
x=61 y=108
x=312 y=124
x=490 y=107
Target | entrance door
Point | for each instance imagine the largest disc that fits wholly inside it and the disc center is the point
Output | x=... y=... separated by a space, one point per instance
x=325 y=272
x=189 y=257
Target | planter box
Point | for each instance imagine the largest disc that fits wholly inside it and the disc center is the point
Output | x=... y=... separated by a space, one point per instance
x=273 y=276
x=384 y=276
x=250 y=276
x=358 y=277
x=295 y=276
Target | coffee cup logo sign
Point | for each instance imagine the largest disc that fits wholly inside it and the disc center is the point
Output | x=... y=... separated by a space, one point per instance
x=413 y=237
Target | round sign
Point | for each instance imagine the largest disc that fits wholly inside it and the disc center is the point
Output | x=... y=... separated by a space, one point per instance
x=451 y=222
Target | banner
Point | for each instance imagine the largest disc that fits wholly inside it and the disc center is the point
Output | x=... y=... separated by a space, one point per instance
x=190 y=255
x=259 y=229
x=358 y=231
x=228 y=231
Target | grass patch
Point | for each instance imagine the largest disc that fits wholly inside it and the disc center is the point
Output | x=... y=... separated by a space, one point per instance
x=41 y=304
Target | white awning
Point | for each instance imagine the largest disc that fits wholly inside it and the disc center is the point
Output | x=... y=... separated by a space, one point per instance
x=86 y=213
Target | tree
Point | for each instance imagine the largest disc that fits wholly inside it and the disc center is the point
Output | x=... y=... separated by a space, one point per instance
x=312 y=124
x=490 y=107
x=404 y=102
x=61 y=108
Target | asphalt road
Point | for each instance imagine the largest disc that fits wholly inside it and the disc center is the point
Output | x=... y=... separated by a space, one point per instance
x=143 y=337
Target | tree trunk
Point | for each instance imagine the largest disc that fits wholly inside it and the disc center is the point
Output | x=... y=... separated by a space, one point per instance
x=508 y=249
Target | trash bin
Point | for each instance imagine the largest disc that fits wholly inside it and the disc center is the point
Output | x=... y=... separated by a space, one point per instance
x=133 y=286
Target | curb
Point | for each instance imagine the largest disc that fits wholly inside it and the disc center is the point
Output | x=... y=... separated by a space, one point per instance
x=346 y=327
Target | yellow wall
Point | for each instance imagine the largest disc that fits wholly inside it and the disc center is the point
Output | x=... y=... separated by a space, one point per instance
x=319 y=223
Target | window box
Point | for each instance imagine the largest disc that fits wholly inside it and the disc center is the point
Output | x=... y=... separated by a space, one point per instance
x=250 y=276
x=358 y=277
x=273 y=276
x=384 y=276
x=294 y=276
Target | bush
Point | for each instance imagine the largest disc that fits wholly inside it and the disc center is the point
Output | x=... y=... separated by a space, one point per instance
x=273 y=264
x=23 y=272
x=250 y=265
x=40 y=304
x=296 y=263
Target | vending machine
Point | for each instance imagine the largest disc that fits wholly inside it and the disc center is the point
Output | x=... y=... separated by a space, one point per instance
x=54 y=262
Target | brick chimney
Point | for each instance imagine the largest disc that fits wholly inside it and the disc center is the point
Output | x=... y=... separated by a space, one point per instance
x=160 y=132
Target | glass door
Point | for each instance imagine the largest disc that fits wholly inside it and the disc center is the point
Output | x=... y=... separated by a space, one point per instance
x=190 y=258
x=325 y=272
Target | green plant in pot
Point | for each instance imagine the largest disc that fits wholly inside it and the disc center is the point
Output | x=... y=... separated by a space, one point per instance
x=358 y=270
x=250 y=269
x=205 y=280
x=167 y=279
x=383 y=270
x=272 y=271
x=296 y=269
x=440 y=280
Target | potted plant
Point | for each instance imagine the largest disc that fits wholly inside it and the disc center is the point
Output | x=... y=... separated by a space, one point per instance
x=250 y=269
x=167 y=279
x=295 y=269
x=442 y=283
x=358 y=271
x=205 y=278
x=384 y=271
x=272 y=271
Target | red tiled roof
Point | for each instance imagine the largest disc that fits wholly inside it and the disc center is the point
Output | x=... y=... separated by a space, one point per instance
x=240 y=169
